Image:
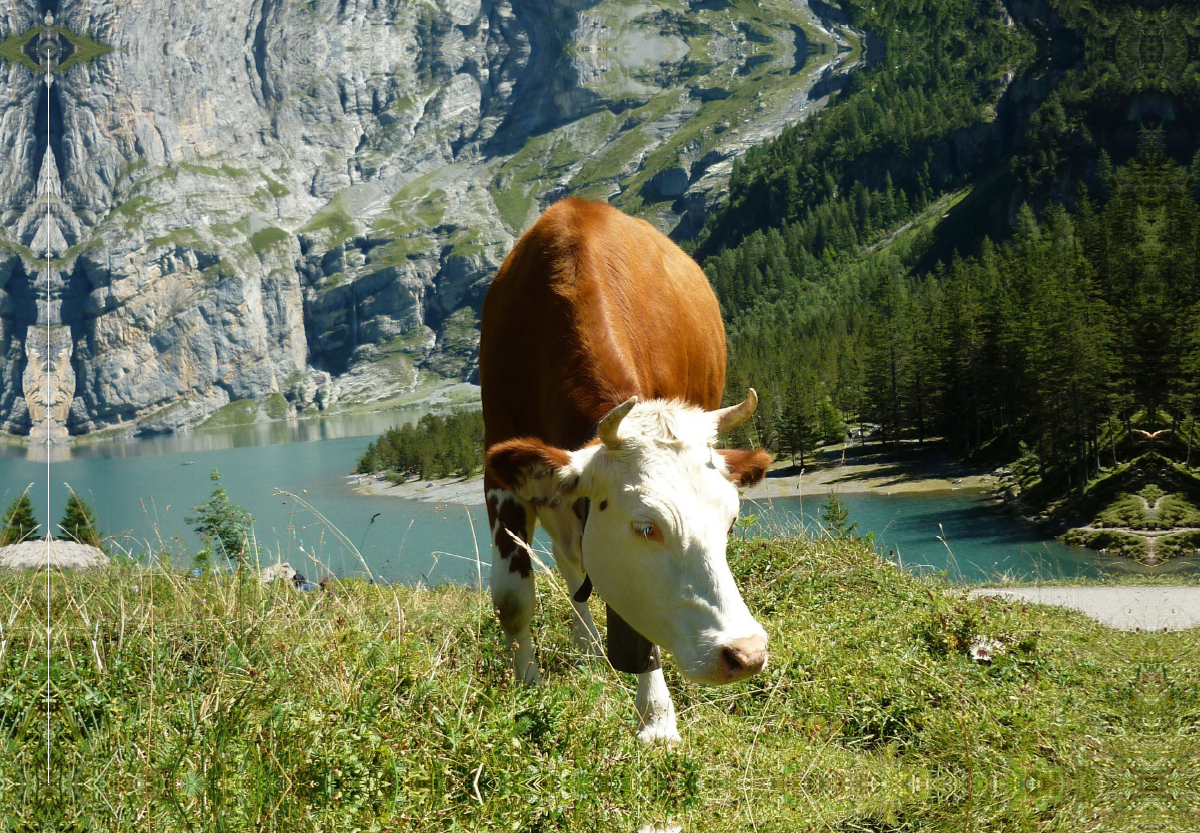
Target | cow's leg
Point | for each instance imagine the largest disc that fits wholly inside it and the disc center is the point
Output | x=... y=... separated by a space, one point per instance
x=513 y=597
x=565 y=525
x=583 y=628
x=655 y=711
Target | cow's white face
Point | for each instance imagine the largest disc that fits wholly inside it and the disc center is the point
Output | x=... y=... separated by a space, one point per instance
x=662 y=503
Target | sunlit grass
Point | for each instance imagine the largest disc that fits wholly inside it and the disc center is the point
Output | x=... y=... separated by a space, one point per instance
x=218 y=703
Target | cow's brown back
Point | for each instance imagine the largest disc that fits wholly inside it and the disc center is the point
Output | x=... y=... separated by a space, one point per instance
x=591 y=307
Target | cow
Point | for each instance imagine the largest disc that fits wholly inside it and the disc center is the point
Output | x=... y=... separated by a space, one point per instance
x=601 y=367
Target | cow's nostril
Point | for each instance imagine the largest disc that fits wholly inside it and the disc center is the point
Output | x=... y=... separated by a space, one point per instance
x=731 y=662
x=743 y=658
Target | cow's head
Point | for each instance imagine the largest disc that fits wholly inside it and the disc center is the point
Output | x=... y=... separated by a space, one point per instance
x=662 y=503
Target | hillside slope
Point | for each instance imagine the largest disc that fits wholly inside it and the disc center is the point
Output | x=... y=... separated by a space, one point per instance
x=277 y=207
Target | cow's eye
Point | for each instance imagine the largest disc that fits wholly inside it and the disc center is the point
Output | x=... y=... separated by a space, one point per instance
x=647 y=529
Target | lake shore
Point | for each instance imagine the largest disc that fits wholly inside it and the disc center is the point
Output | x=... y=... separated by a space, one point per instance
x=846 y=470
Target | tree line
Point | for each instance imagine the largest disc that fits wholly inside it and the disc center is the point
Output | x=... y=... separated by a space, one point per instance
x=1074 y=326
x=944 y=65
x=435 y=447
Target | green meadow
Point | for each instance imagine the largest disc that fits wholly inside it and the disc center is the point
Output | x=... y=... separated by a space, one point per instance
x=161 y=702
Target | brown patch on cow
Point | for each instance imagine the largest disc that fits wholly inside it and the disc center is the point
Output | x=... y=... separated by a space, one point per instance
x=566 y=331
x=746 y=467
x=510 y=517
x=512 y=462
x=603 y=505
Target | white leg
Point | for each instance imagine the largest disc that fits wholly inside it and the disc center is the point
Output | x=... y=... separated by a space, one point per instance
x=565 y=525
x=655 y=711
x=513 y=592
x=583 y=628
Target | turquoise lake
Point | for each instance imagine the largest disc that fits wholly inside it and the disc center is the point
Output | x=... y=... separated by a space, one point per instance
x=142 y=491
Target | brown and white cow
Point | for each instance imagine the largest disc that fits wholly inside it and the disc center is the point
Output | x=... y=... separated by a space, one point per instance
x=602 y=362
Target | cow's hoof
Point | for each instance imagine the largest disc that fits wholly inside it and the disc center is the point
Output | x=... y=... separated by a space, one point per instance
x=660 y=733
x=531 y=677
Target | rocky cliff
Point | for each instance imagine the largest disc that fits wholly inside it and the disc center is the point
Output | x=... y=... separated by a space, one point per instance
x=274 y=206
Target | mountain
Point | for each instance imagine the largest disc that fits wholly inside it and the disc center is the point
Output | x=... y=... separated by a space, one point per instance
x=233 y=211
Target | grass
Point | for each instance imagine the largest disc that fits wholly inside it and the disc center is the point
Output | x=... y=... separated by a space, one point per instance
x=267 y=238
x=86 y=48
x=12 y=50
x=336 y=221
x=237 y=412
x=276 y=406
x=206 y=170
x=215 y=703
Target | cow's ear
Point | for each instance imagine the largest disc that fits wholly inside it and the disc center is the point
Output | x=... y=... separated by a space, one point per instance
x=746 y=467
x=528 y=467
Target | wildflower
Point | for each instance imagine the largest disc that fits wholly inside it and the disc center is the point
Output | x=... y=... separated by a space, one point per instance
x=984 y=650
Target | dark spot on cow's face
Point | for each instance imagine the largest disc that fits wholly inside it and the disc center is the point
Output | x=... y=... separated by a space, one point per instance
x=510 y=516
x=603 y=505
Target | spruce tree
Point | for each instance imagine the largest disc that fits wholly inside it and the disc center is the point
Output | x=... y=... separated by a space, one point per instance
x=222 y=524
x=836 y=516
x=79 y=523
x=19 y=521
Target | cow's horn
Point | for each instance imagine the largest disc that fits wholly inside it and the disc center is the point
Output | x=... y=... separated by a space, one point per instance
x=607 y=430
x=733 y=416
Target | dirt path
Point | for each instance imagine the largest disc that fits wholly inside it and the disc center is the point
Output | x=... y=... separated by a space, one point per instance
x=1146 y=608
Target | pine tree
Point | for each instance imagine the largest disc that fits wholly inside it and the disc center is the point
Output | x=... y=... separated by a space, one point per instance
x=19 y=521
x=221 y=523
x=79 y=523
x=836 y=516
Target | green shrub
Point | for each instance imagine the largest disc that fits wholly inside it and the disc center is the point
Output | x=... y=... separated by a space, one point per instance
x=19 y=521
x=79 y=523
x=222 y=525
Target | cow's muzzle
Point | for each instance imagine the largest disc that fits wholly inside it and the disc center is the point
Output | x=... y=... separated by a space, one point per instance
x=742 y=658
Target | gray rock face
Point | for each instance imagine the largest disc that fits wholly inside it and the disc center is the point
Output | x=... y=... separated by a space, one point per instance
x=303 y=203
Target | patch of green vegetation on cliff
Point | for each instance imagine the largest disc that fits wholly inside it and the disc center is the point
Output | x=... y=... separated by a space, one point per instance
x=75 y=251
x=277 y=189
x=416 y=198
x=186 y=237
x=205 y=170
x=12 y=50
x=161 y=413
x=223 y=268
x=267 y=238
x=237 y=412
x=130 y=168
x=134 y=209
x=464 y=243
x=519 y=182
x=229 y=230
x=86 y=48
x=334 y=220
x=26 y=254
x=396 y=251
x=276 y=406
x=604 y=165
x=412 y=341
